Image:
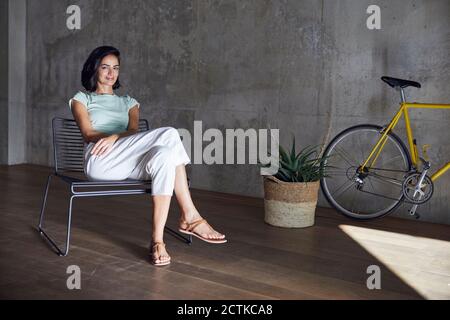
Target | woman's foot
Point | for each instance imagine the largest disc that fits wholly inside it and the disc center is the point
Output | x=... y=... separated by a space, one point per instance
x=160 y=257
x=195 y=225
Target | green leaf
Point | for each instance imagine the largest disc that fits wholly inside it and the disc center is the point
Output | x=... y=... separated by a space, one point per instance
x=293 y=150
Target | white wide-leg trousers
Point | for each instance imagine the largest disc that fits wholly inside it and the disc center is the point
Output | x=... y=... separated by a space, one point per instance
x=146 y=155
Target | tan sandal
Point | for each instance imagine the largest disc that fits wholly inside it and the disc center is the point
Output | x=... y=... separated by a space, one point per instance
x=188 y=228
x=154 y=248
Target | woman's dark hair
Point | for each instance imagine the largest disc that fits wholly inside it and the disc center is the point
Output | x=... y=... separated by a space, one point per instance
x=89 y=73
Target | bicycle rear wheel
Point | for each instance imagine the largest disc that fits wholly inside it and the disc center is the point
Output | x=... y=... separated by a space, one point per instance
x=374 y=192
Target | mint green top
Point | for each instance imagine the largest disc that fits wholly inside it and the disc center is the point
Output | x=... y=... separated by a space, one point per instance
x=108 y=112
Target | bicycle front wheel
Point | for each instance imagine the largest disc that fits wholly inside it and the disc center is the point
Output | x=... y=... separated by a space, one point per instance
x=375 y=191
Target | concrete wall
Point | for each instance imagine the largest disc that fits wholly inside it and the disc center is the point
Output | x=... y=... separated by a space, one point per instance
x=17 y=75
x=13 y=64
x=310 y=68
x=4 y=82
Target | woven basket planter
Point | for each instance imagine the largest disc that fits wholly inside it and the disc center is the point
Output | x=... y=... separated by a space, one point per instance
x=290 y=204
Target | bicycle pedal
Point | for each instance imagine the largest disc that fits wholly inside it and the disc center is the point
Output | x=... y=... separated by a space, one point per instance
x=414 y=214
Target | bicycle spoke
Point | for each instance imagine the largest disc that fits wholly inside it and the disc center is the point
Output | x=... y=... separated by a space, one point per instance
x=353 y=200
x=341 y=153
x=337 y=172
x=371 y=184
x=350 y=184
x=391 y=160
x=387 y=180
x=361 y=148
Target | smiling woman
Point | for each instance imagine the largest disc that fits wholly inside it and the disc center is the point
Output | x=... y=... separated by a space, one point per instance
x=115 y=150
x=101 y=69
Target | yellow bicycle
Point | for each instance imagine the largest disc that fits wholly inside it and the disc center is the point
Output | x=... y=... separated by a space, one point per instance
x=370 y=170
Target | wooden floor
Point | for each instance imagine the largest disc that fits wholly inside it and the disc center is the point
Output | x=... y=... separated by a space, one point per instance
x=110 y=245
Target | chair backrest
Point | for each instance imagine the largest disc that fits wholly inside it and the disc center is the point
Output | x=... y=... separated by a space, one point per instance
x=68 y=144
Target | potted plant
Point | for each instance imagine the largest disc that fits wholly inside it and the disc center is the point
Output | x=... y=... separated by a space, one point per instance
x=290 y=196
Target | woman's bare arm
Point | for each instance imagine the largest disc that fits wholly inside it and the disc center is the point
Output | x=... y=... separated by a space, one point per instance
x=133 y=122
x=81 y=116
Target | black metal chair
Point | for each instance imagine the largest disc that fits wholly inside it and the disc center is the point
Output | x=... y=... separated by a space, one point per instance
x=68 y=149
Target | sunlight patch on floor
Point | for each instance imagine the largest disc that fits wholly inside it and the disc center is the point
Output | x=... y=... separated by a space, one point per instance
x=421 y=263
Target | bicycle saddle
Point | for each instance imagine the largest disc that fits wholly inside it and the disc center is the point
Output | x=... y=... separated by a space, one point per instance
x=394 y=82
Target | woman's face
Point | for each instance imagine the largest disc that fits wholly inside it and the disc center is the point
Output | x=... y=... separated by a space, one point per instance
x=108 y=71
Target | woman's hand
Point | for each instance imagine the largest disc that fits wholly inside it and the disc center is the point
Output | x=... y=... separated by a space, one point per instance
x=104 y=145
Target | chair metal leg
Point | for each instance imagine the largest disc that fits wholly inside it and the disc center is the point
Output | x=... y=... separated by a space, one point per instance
x=178 y=235
x=68 y=226
x=44 y=201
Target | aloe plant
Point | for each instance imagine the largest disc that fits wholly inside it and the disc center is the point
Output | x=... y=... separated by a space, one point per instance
x=305 y=166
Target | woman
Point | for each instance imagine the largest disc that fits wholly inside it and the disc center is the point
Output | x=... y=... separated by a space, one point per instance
x=115 y=150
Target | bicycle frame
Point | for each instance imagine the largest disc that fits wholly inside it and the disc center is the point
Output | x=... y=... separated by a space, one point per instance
x=404 y=107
